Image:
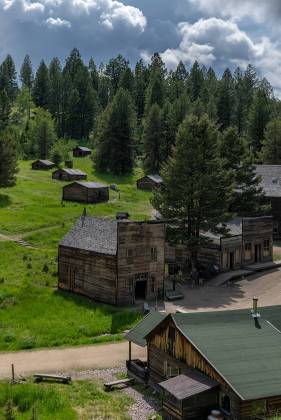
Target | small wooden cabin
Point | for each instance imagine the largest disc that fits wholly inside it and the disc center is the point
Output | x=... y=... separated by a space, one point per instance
x=149 y=182
x=68 y=174
x=42 y=164
x=199 y=362
x=248 y=241
x=271 y=184
x=80 y=151
x=85 y=192
x=112 y=261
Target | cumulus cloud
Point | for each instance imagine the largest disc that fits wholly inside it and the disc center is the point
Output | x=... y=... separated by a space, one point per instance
x=58 y=22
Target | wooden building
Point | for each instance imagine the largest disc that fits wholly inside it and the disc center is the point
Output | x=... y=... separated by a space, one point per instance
x=271 y=183
x=198 y=362
x=113 y=261
x=80 y=151
x=86 y=192
x=248 y=241
x=149 y=182
x=42 y=164
x=68 y=174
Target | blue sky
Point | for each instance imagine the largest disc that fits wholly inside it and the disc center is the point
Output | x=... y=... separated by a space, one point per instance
x=215 y=32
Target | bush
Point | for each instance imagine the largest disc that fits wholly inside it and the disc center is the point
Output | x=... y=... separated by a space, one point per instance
x=27 y=342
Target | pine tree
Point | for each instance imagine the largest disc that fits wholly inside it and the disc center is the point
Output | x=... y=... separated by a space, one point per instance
x=226 y=100
x=114 y=70
x=152 y=140
x=26 y=73
x=195 y=81
x=41 y=85
x=8 y=159
x=195 y=192
x=271 y=145
x=8 y=79
x=55 y=93
x=5 y=108
x=141 y=81
x=115 y=136
x=155 y=91
x=42 y=134
x=94 y=75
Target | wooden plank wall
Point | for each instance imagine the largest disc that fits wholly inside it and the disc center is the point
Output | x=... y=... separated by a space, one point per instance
x=255 y=231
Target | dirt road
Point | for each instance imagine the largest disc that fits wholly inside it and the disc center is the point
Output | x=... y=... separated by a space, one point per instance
x=67 y=359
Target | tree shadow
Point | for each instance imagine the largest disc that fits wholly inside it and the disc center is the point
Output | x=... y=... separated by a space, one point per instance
x=5 y=200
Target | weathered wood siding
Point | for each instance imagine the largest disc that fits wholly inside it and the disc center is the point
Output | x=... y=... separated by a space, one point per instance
x=276 y=214
x=146 y=183
x=64 y=176
x=255 y=232
x=136 y=241
x=87 y=273
x=80 y=153
x=77 y=192
x=41 y=166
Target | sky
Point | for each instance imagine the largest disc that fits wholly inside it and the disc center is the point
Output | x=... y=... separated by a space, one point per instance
x=218 y=33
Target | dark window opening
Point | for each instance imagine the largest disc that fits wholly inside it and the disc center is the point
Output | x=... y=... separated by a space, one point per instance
x=140 y=289
x=153 y=253
x=225 y=403
x=152 y=284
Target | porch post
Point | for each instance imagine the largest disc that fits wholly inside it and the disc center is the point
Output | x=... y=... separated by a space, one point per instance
x=130 y=351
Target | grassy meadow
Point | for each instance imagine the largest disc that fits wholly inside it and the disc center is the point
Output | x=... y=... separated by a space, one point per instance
x=33 y=313
x=80 y=400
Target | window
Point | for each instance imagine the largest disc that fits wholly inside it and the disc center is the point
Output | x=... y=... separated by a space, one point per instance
x=225 y=403
x=171 y=371
x=153 y=253
x=248 y=250
x=130 y=256
x=266 y=247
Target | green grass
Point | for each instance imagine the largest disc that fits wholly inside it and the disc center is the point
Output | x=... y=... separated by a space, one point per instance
x=33 y=313
x=80 y=400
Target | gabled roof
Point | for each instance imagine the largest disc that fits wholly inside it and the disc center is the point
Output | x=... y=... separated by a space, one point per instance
x=191 y=383
x=245 y=352
x=93 y=234
x=138 y=333
x=155 y=178
x=45 y=162
x=90 y=185
x=71 y=171
x=84 y=149
x=270 y=179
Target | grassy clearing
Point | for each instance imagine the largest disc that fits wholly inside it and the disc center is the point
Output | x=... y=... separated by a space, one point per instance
x=32 y=312
x=80 y=400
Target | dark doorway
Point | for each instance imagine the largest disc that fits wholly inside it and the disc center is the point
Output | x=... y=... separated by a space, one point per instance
x=140 y=289
x=231 y=260
x=257 y=253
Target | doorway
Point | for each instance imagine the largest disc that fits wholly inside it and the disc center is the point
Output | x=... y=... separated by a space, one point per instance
x=231 y=260
x=140 y=289
x=258 y=253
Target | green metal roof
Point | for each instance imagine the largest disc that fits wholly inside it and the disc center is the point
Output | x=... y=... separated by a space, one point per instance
x=145 y=326
x=245 y=352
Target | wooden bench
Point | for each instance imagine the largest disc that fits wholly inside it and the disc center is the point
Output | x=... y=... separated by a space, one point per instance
x=109 y=386
x=39 y=377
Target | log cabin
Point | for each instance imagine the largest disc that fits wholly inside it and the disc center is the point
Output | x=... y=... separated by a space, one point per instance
x=69 y=174
x=149 y=182
x=198 y=362
x=113 y=261
x=85 y=192
x=248 y=241
x=271 y=183
x=42 y=164
x=80 y=151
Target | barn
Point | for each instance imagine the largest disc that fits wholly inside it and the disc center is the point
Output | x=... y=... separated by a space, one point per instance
x=42 y=164
x=113 y=261
x=199 y=362
x=85 y=192
x=68 y=174
x=271 y=183
x=248 y=241
x=80 y=151
x=149 y=182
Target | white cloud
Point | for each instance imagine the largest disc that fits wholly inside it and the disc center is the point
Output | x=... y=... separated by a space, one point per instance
x=58 y=23
x=118 y=13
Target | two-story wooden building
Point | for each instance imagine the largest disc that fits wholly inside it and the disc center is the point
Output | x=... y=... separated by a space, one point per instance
x=113 y=261
x=247 y=241
x=227 y=360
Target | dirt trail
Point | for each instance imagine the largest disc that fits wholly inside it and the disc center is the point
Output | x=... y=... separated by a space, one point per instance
x=67 y=359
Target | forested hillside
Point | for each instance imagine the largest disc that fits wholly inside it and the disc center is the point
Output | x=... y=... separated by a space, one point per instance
x=129 y=114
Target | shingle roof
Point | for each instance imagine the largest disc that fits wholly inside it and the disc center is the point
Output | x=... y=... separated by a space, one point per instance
x=191 y=383
x=71 y=171
x=93 y=234
x=91 y=184
x=138 y=333
x=46 y=162
x=155 y=178
x=84 y=149
x=244 y=351
x=270 y=179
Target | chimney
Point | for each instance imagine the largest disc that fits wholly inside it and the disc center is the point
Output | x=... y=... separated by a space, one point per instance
x=255 y=313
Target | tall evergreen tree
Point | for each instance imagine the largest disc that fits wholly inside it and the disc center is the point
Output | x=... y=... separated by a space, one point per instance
x=8 y=159
x=141 y=81
x=42 y=136
x=152 y=140
x=195 y=81
x=26 y=73
x=41 y=85
x=8 y=78
x=271 y=145
x=114 y=70
x=94 y=75
x=115 y=135
x=226 y=100
x=195 y=192
x=56 y=93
